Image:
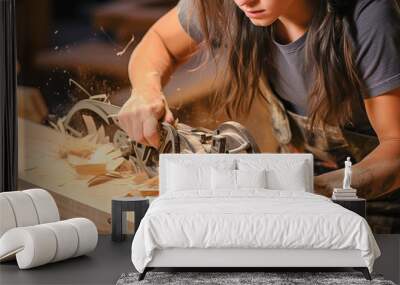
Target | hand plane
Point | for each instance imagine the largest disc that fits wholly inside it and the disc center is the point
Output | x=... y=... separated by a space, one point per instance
x=228 y=137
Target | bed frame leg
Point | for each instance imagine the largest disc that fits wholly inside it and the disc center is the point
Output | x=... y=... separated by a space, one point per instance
x=364 y=271
x=143 y=274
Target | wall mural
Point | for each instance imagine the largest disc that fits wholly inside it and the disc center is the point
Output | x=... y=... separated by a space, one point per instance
x=72 y=82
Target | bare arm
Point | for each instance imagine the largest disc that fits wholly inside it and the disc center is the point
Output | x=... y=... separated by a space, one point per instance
x=379 y=172
x=162 y=49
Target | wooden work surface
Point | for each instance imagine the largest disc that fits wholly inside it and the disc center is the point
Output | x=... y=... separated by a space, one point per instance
x=40 y=165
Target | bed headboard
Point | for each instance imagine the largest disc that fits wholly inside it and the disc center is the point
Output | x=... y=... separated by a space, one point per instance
x=202 y=158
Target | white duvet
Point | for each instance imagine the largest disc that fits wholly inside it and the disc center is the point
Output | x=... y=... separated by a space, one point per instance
x=253 y=218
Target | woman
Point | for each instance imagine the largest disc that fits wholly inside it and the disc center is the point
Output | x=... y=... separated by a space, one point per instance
x=333 y=68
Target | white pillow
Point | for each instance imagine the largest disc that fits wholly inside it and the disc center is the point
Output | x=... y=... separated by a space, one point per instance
x=187 y=175
x=183 y=178
x=223 y=179
x=289 y=175
x=228 y=179
x=251 y=178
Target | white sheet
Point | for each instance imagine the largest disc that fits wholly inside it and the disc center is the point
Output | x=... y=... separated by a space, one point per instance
x=252 y=218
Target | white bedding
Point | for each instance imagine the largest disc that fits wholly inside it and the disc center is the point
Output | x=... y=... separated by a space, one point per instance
x=251 y=218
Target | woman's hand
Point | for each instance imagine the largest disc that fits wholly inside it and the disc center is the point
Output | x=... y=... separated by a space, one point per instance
x=139 y=117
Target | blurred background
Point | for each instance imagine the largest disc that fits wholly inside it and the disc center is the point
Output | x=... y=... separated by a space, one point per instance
x=59 y=40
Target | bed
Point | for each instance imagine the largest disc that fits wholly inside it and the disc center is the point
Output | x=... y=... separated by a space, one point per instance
x=246 y=211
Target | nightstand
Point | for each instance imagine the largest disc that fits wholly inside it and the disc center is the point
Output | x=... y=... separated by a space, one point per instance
x=356 y=205
x=119 y=207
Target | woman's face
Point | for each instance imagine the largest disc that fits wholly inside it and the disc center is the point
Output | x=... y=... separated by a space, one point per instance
x=263 y=12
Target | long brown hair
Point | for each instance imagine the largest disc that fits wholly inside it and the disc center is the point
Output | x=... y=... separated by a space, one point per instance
x=249 y=50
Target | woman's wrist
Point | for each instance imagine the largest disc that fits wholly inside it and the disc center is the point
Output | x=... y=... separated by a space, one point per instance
x=149 y=84
x=146 y=92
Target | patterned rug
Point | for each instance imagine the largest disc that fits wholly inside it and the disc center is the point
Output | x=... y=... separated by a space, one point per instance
x=243 y=278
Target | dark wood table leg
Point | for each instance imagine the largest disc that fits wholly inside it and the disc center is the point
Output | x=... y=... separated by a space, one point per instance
x=116 y=221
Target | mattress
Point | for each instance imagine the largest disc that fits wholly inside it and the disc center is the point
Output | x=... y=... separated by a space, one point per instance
x=250 y=219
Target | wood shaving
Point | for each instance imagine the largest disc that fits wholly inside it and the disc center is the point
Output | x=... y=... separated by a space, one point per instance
x=90 y=124
x=142 y=193
x=140 y=178
x=122 y=52
x=90 y=169
x=93 y=155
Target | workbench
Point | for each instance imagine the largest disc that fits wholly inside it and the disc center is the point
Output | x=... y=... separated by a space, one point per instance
x=40 y=165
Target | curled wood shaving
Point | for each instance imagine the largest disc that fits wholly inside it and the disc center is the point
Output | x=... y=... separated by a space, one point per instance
x=60 y=125
x=101 y=154
x=114 y=164
x=128 y=167
x=115 y=174
x=100 y=179
x=122 y=52
x=90 y=124
x=101 y=135
x=114 y=154
x=77 y=147
x=142 y=193
x=102 y=97
x=90 y=169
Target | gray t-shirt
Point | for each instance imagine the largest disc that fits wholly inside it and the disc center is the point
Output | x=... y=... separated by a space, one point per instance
x=377 y=25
